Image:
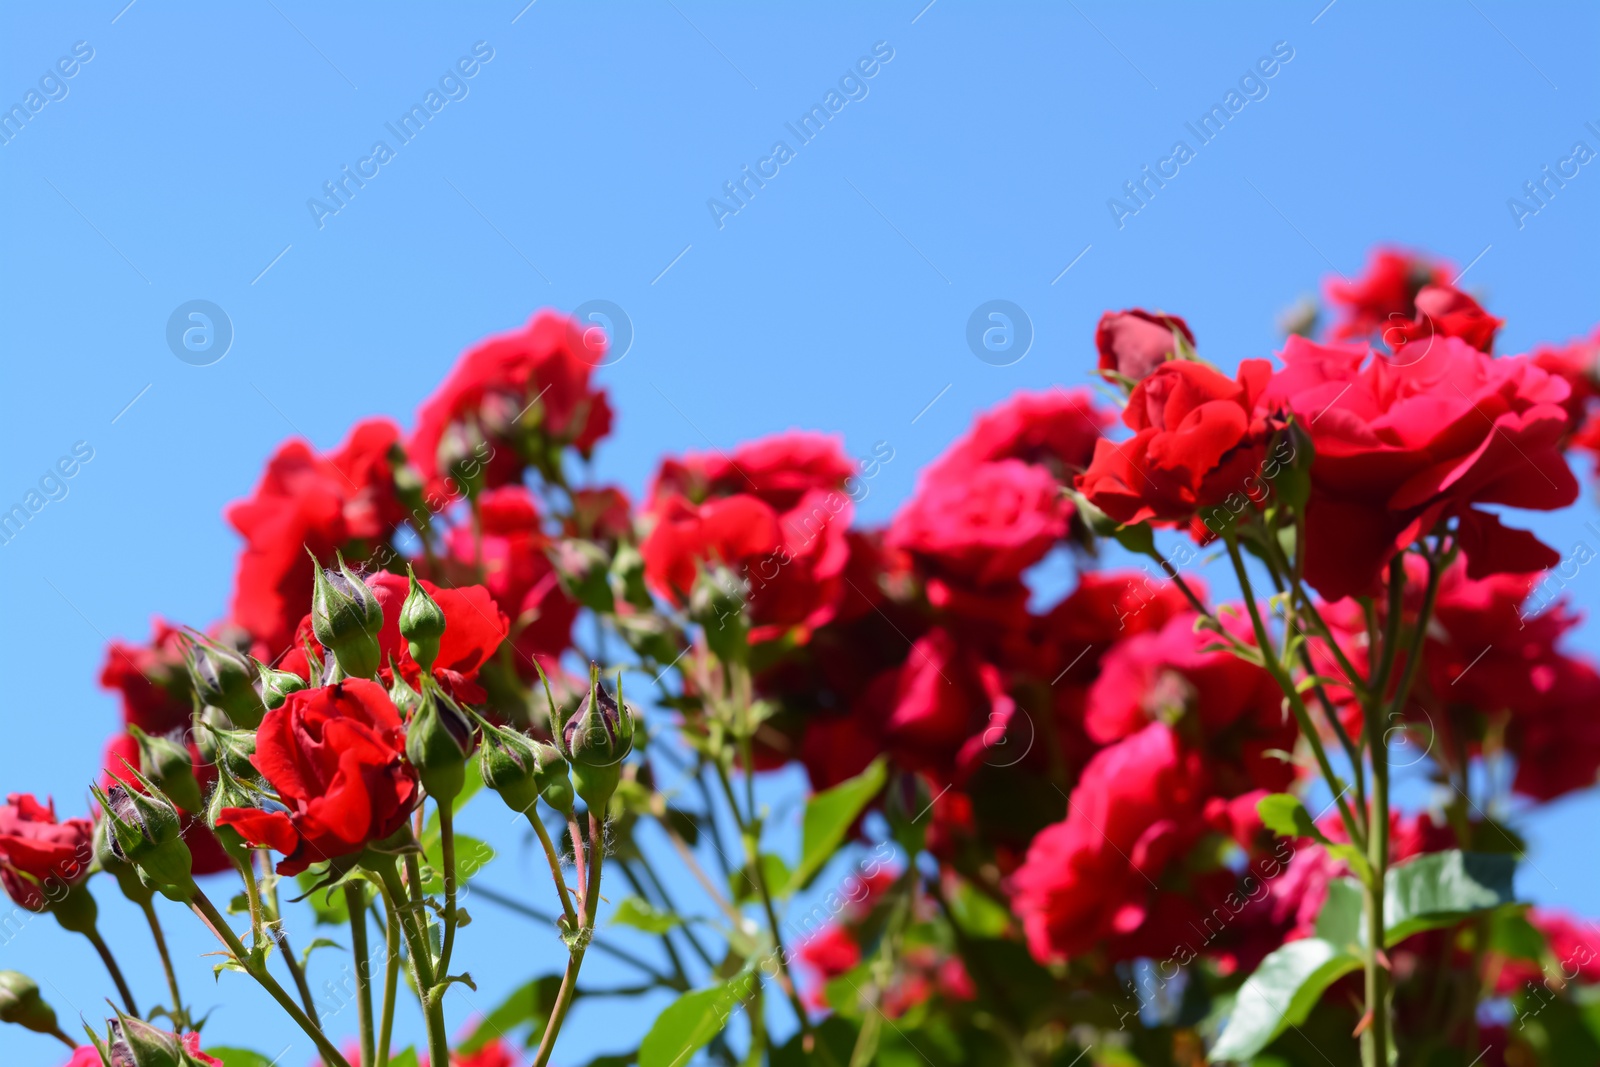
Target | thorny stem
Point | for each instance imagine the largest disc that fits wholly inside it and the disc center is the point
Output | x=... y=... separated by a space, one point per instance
x=579 y=865
x=416 y=938
x=554 y=859
x=391 y=977
x=331 y=1056
x=447 y=854
x=181 y=1017
x=296 y=972
x=569 y=980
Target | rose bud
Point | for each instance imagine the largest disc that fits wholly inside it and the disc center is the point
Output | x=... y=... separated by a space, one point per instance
x=229 y=792
x=275 y=685
x=595 y=740
x=523 y=770
x=346 y=617
x=421 y=624
x=165 y=760
x=439 y=738
x=126 y=874
x=20 y=1003
x=135 y=1043
x=147 y=832
x=222 y=679
x=1135 y=342
x=717 y=604
x=226 y=748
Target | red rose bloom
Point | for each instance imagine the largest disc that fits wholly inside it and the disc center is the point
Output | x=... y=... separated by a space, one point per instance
x=1135 y=342
x=948 y=708
x=304 y=500
x=39 y=856
x=335 y=757
x=1444 y=311
x=1577 y=363
x=729 y=530
x=1197 y=441
x=1056 y=429
x=1385 y=294
x=982 y=526
x=1089 y=877
x=535 y=379
x=155 y=687
x=1400 y=448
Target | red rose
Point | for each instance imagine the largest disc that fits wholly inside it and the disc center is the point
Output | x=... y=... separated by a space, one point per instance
x=1197 y=442
x=983 y=526
x=1400 y=448
x=335 y=757
x=1056 y=429
x=39 y=856
x=474 y=629
x=155 y=687
x=1135 y=342
x=949 y=708
x=728 y=530
x=1444 y=311
x=1556 y=735
x=533 y=379
x=309 y=501
x=1385 y=294
x=1577 y=363
x=778 y=470
x=1089 y=877
x=603 y=514
x=1571 y=940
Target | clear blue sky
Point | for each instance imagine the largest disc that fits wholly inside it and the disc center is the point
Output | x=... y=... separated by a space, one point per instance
x=576 y=165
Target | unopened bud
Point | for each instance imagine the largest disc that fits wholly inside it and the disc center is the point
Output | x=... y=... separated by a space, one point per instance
x=595 y=740
x=275 y=685
x=135 y=1043
x=523 y=771
x=421 y=624
x=439 y=739
x=147 y=832
x=222 y=679
x=226 y=748
x=21 y=1004
x=114 y=864
x=347 y=618
x=165 y=760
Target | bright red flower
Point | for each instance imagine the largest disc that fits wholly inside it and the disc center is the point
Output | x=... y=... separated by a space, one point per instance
x=727 y=530
x=341 y=500
x=1055 y=429
x=779 y=470
x=1578 y=364
x=155 y=687
x=1575 y=944
x=1088 y=878
x=949 y=708
x=1135 y=342
x=1233 y=709
x=1400 y=448
x=40 y=856
x=984 y=525
x=1385 y=294
x=604 y=514
x=474 y=628
x=335 y=757
x=1444 y=311
x=1197 y=442
x=532 y=382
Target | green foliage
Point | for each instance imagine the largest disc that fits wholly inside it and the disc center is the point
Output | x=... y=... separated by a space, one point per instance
x=828 y=818
x=688 y=1023
x=642 y=915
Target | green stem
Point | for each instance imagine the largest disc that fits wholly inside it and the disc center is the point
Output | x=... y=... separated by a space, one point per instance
x=56 y=1032
x=569 y=980
x=1291 y=694
x=100 y=946
x=447 y=847
x=416 y=937
x=181 y=1018
x=554 y=859
x=391 y=977
x=355 y=902
x=296 y=972
x=331 y=1056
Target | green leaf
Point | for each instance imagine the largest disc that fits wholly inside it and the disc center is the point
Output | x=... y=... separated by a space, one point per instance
x=321 y=942
x=642 y=915
x=742 y=883
x=238 y=1057
x=529 y=1003
x=828 y=817
x=1340 y=921
x=406 y=1057
x=689 y=1022
x=1281 y=993
x=1440 y=888
x=1284 y=815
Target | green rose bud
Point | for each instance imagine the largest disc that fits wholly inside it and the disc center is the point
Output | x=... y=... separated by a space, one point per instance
x=595 y=740
x=224 y=747
x=165 y=760
x=523 y=770
x=346 y=617
x=126 y=874
x=135 y=1043
x=222 y=679
x=275 y=685
x=421 y=624
x=20 y=1003
x=439 y=739
x=147 y=832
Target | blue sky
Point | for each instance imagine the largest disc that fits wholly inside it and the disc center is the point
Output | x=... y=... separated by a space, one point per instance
x=576 y=164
